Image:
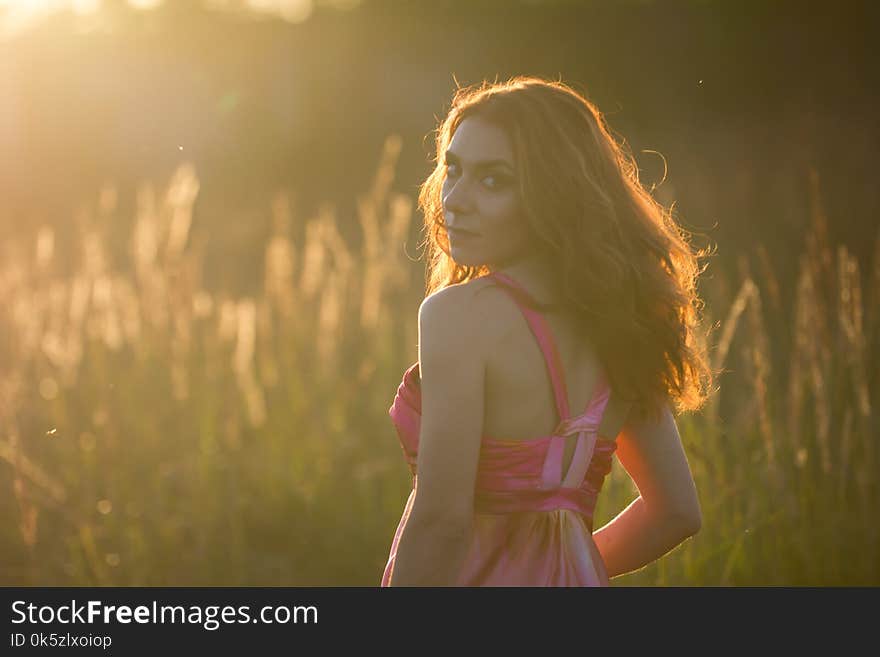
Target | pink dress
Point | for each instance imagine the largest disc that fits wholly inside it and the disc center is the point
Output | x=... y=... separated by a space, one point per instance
x=532 y=523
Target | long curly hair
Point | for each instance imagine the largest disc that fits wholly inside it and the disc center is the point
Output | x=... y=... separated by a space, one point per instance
x=625 y=269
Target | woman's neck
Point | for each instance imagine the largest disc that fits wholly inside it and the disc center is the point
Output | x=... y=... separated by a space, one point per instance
x=535 y=275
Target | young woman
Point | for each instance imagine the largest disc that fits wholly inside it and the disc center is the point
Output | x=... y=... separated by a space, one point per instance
x=558 y=328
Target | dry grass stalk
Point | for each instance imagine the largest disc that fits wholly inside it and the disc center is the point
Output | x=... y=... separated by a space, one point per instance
x=818 y=377
x=386 y=170
x=401 y=212
x=376 y=256
x=850 y=315
x=820 y=291
x=314 y=256
x=818 y=245
x=227 y=320
x=799 y=356
x=243 y=362
x=27 y=507
x=371 y=246
x=345 y=286
x=245 y=335
x=145 y=235
x=45 y=248
x=10 y=451
x=761 y=360
x=268 y=363
x=850 y=318
x=873 y=313
x=329 y=323
x=728 y=329
x=128 y=308
x=769 y=276
x=179 y=199
x=280 y=259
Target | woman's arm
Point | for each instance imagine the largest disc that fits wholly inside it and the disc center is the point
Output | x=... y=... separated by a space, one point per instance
x=430 y=553
x=452 y=343
x=667 y=510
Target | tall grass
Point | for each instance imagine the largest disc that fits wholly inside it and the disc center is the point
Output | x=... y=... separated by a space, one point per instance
x=156 y=432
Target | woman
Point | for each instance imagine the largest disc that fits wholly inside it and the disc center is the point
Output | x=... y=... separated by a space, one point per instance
x=545 y=254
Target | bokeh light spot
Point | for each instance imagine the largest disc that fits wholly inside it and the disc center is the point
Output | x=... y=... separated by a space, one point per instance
x=144 y=4
x=295 y=11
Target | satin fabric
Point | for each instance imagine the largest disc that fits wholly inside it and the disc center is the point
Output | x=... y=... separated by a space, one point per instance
x=532 y=523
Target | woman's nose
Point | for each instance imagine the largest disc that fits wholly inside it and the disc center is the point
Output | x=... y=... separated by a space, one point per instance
x=457 y=197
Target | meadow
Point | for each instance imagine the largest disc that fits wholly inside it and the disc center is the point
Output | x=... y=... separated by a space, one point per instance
x=155 y=432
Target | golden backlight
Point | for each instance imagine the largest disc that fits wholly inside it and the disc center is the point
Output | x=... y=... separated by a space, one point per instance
x=17 y=15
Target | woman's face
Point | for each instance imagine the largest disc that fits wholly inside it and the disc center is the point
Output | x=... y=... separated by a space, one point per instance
x=480 y=196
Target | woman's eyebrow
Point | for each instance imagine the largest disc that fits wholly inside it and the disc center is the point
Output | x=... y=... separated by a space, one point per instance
x=482 y=164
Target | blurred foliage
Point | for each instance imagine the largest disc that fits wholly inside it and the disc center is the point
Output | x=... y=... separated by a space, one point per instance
x=158 y=433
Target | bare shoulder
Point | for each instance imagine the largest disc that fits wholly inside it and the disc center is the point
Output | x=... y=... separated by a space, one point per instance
x=479 y=295
x=649 y=429
x=476 y=309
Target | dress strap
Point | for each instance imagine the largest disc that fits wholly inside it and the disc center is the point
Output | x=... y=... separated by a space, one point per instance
x=544 y=336
x=586 y=425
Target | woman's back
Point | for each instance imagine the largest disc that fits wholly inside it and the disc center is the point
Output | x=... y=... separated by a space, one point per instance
x=520 y=401
x=537 y=483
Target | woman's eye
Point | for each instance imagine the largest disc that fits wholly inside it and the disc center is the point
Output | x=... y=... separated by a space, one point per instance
x=494 y=182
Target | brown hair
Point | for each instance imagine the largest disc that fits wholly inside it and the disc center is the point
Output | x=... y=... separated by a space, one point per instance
x=625 y=269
